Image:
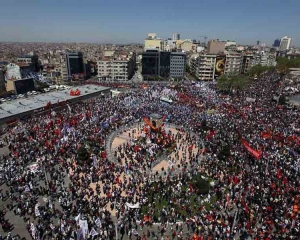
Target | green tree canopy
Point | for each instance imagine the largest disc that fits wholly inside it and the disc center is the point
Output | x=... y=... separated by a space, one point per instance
x=200 y=185
x=258 y=69
x=284 y=64
x=229 y=82
x=83 y=156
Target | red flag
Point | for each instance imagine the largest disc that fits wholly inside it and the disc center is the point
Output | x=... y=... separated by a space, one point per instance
x=245 y=207
x=253 y=152
x=210 y=134
x=279 y=174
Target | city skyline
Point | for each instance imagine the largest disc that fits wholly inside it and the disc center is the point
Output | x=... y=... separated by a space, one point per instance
x=120 y=22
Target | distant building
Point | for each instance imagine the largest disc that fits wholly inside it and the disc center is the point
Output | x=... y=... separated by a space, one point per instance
x=153 y=43
x=207 y=67
x=75 y=64
x=174 y=37
x=247 y=62
x=178 y=36
x=257 y=42
x=150 y=63
x=119 y=66
x=2 y=80
x=230 y=43
x=25 y=59
x=215 y=46
x=177 y=64
x=276 y=43
x=163 y=64
x=13 y=71
x=20 y=86
x=233 y=64
x=285 y=43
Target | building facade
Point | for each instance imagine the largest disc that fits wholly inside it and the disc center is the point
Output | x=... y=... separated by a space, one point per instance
x=163 y=64
x=153 y=43
x=74 y=64
x=13 y=71
x=177 y=64
x=285 y=43
x=118 y=67
x=215 y=46
x=203 y=67
x=233 y=64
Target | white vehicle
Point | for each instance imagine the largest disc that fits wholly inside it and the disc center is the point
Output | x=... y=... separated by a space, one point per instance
x=47 y=90
x=20 y=95
x=29 y=93
x=34 y=93
x=3 y=100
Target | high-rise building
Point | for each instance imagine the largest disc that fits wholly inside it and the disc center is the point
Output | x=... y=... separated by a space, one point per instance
x=163 y=64
x=257 y=43
x=276 y=43
x=178 y=36
x=285 y=43
x=153 y=43
x=215 y=46
x=177 y=64
x=174 y=37
x=75 y=64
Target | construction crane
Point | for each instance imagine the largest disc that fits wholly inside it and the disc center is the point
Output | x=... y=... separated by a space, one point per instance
x=205 y=38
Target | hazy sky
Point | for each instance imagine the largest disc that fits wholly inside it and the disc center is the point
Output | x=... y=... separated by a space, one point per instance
x=126 y=21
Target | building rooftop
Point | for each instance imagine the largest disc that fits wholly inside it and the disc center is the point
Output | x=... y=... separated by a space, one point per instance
x=19 y=106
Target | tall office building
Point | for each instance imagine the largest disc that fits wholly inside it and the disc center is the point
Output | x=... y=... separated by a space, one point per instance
x=163 y=64
x=174 y=36
x=75 y=65
x=257 y=42
x=276 y=43
x=178 y=36
x=285 y=43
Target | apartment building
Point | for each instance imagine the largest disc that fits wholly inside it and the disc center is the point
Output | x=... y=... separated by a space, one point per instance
x=177 y=64
x=203 y=67
x=119 y=66
x=207 y=67
x=233 y=63
x=153 y=43
x=247 y=62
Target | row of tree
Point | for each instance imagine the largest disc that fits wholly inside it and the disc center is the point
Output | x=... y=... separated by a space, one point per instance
x=284 y=64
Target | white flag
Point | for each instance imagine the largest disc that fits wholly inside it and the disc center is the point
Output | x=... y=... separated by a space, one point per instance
x=98 y=222
x=93 y=232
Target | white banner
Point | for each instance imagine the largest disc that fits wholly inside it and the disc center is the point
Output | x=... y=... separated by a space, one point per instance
x=137 y=205
x=84 y=226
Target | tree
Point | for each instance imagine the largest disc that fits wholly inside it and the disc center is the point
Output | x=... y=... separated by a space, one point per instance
x=284 y=64
x=258 y=69
x=228 y=82
x=83 y=156
x=200 y=185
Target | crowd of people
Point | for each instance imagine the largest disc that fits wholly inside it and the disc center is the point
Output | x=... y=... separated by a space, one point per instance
x=255 y=190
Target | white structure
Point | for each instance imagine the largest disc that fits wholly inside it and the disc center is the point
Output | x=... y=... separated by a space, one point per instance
x=285 y=43
x=13 y=72
x=120 y=66
x=230 y=43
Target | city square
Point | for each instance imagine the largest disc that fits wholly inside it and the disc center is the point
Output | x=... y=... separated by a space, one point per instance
x=133 y=166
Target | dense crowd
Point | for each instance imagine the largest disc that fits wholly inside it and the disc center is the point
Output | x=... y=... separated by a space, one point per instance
x=255 y=190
